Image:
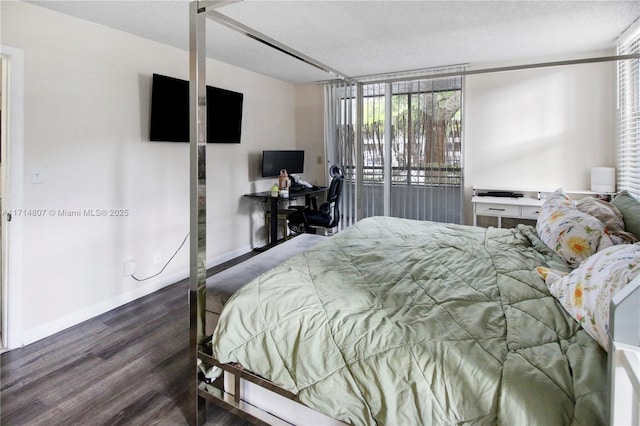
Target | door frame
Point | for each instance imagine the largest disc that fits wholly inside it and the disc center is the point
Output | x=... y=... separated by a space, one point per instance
x=12 y=198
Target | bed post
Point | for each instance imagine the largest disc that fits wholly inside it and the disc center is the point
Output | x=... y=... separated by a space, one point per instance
x=624 y=355
x=198 y=202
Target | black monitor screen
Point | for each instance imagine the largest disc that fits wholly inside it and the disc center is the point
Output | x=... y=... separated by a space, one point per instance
x=274 y=161
x=170 y=112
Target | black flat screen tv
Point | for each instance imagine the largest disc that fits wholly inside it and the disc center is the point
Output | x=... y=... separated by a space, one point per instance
x=274 y=161
x=170 y=112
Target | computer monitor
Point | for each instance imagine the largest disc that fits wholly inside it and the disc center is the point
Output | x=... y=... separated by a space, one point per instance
x=274 y=161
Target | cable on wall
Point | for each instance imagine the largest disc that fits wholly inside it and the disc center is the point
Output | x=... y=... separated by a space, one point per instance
x=165 y=265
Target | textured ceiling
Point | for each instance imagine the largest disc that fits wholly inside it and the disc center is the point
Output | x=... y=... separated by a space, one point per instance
x=371 y=37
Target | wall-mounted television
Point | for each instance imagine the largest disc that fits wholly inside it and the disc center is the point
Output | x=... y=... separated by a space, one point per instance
x=274 y=161
x=170 y=112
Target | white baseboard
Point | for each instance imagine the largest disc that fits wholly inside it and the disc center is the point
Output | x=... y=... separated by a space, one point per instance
x=77 y=317
x=228 y=256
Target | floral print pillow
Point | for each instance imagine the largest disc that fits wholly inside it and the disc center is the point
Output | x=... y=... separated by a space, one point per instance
x=586 y=292
x=572 y=234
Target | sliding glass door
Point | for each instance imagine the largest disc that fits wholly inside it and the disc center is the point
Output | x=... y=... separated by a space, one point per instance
x=410 y=148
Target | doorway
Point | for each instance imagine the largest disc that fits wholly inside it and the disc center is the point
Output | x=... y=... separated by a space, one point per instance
x=11 y=194
x=3 y=139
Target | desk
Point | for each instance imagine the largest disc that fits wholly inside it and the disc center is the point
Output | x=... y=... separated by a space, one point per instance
x=273 y=206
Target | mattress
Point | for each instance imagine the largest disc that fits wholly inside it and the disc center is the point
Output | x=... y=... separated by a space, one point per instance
x=395 y=321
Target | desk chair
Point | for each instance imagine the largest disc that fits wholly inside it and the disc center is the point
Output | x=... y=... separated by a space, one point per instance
x=327 y=215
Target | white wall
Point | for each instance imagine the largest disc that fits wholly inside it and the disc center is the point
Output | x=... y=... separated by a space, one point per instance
x=87 y=96
x=310 y=132
x=2 y=76
x=539 y=128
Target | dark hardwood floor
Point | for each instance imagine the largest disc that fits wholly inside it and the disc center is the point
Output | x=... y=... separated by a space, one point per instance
x=128 y=366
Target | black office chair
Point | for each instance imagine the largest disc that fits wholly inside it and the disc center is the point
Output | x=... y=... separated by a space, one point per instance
x=327 y=215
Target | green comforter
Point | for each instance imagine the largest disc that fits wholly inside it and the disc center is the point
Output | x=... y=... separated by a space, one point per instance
x=402 y=322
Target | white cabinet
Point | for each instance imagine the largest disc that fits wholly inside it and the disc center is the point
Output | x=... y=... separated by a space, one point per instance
x=511 y=207
x=525 y=206
x=530 y=212
x=498 y=207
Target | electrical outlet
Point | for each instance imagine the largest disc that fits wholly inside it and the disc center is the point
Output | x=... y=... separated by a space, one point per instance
x=157 y=257
x=129 y=268
x=319 y=159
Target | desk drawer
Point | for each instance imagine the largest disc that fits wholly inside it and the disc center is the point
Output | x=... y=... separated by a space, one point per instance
x=531 y=212
x=497 y=210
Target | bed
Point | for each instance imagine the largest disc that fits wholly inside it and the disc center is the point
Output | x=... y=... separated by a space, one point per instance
x=396 y=321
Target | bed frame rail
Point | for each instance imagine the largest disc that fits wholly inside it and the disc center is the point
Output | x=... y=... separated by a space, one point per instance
x=218 y=397
x=254 y=398
x=624 y=355
x=232 y=400
x=239 y=373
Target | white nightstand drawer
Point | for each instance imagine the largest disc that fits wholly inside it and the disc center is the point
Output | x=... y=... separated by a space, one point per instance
x=531 y=212
x=497 y=210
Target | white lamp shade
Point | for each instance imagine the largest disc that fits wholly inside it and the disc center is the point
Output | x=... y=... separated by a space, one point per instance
x=603 y=179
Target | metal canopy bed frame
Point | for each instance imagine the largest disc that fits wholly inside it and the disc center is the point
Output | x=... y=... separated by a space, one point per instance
x=624 y=353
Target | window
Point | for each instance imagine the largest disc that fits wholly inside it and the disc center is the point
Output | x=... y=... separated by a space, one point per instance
x=628 y=158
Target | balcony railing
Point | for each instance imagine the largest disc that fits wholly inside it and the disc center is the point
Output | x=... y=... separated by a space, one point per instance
x=421 y=176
